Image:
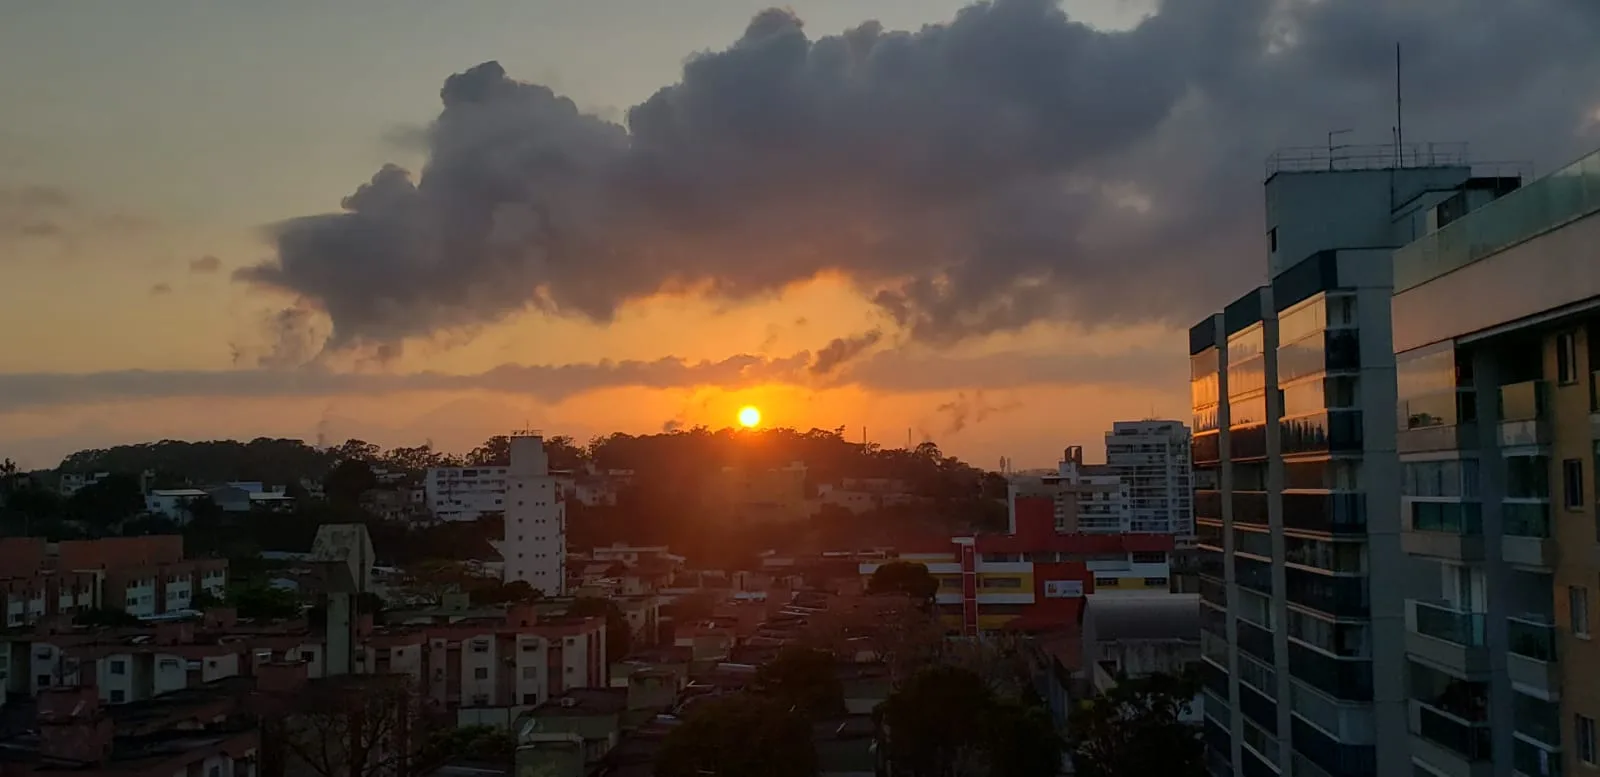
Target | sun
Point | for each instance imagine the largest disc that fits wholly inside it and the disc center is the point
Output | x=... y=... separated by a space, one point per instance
x=749 y=417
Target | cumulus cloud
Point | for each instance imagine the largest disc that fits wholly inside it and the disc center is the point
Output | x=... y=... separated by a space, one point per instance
x=205 y=265
x=969 y=177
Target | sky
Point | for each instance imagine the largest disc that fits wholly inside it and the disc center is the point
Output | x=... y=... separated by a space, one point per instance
x=412 y=221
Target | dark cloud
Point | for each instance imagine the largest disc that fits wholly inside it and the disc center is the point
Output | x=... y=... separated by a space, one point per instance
x=205 y=264
x=973 y=409
x=970 y=177
x=548 y=383
x=892 y=372
x=843 y=349
x=160 y=289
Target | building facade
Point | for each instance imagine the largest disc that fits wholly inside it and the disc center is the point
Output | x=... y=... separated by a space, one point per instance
x=535 y=544
x=1497 y=335
x=1034 y=578
x=465 y=493
x=1304 y=577
x=1152 y=458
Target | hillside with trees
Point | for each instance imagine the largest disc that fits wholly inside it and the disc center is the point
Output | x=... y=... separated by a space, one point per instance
x=662 y=502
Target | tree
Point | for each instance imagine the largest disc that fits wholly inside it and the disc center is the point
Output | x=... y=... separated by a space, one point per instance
x=904 y=577
x=802 y=679
x=108 y=500
x=739 y=735
x=946 y=722
x=495 y=451
x=480 y=743
x=109 y=617
x=495 y=592
x=355 y=450
x=264 y=602
x=354 y=726
x=1133 y=730
x=348 y=480
x=619 y=634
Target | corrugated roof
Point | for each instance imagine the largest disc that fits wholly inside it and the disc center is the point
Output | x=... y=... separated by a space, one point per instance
x=1154 y=617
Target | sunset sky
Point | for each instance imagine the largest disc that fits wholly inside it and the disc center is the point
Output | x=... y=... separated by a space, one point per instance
x=1005 y=223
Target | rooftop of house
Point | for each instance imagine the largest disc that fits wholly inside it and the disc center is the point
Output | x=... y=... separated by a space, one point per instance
x=583 y=701
x=1154 y=617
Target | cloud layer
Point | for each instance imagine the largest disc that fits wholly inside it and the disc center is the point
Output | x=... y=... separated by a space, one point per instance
x=893 y=372
x=969 y=177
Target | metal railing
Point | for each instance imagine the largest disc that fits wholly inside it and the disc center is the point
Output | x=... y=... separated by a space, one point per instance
x=1346 y=158
x=1563 y=196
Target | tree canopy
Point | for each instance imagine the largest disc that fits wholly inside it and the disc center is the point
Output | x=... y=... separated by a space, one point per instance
x=946 y=722
x=1133 y=730
x=904 y=577
x=740 y=734
x=802 y=679
x=619 y=635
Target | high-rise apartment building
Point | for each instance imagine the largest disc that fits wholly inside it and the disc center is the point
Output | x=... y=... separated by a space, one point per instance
x=535 y=544
x=1304 y=577
x=1152 y=458
x=1497 y=334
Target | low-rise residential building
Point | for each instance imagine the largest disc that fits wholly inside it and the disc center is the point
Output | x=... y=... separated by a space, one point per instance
x=173 y=503
x=143 y=576
x=1035 y=577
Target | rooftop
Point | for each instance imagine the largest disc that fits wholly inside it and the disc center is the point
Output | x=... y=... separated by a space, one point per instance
x=584 y=701
x=1337 y=158
x=1563 y=196
x=1154 y=617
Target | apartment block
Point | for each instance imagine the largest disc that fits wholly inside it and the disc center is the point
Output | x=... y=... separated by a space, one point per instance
x=1497 y=339
x=1152 y=458
x=465 y=493
x=1303 y=574
x=143 y=576
x=535 y=544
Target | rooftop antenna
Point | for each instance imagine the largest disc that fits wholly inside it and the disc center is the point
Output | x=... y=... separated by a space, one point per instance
x=1331 y=146
x=1399 y=112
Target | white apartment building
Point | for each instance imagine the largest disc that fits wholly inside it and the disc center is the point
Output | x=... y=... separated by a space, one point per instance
x=465 y=493
x=1152 y=458
x=1102 y=496
x=535 y=544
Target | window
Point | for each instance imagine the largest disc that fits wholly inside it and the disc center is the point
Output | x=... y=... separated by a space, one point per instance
x=1156 y=557
x=1002 y=582
x=1272 y=239
x=1567 y=358
x=118 y=697
x=1105 y=582
x=481 y=673
x=530 y=673
x=1155 y=582
x=1578 y=604
x=1572 y=483
x=1583 y=731
x=119 y=667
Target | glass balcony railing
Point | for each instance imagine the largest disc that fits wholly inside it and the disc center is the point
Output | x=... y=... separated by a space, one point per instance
x=1470 y=741
x=1567 y=194
x=1523 y=401
x=1440 y=621
x=1532 y=636
x=1526 y=519
x=1530 y=759
x=1460 y=518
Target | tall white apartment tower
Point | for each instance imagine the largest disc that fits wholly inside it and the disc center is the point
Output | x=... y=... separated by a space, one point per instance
x=535 y=546
x=1152 y=458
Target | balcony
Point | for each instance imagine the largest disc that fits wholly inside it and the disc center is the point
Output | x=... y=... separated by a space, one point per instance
x=1448 y=530
x=1441 y=634
x=1531 y=652
x=1336 y=431
x=1533 y=761
x=1447 y=741
x=1344 y=679
x=1326 y=513
x=1250 y=507
x=1540 y=206
x=1523 y=414
x=1208 y=504
x=1526 y=537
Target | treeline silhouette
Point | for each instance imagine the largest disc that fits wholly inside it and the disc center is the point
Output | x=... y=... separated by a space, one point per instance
x=661 y=501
